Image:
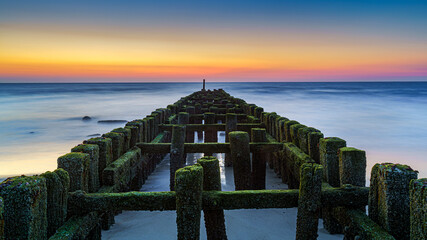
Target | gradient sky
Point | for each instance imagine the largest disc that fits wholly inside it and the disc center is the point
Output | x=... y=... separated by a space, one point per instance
x=103 y=41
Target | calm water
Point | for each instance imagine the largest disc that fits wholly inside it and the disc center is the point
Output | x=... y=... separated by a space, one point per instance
x=39 y=122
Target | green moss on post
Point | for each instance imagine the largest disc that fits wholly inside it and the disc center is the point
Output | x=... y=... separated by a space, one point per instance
x=25 y=202
x=313 y=145
x=57 y=184
x=230 y=126
x=105 y=153
x=258 y=135
x=294 y=133
x=281 y=129
x=418 y=208
x=134 y=135
x=1 y=219
x=117 y=143
x=389 y=198
x=240 y=155
x=127 y=134
x=329 y=150
x=93 y=151
x=177 y=153
x=151 y=128
x=258 y=111
x=309 y=201
x=210 y=135
x=352 y=166
x=214 y=219
x=288 y=125
x=189 y=188
x=77 y=166
x=303 y=134
x=139 y=132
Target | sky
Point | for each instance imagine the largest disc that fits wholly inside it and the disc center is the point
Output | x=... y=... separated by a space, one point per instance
x=163 y=41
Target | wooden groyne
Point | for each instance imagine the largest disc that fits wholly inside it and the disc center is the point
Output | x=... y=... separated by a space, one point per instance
x=326 y=179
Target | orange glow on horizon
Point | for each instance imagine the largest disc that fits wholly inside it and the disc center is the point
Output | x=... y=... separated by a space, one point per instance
x=27 y=52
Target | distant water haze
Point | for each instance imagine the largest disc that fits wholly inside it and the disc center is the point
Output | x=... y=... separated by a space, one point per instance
x=40 y=122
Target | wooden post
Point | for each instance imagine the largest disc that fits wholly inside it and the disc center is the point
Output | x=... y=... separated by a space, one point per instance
x=389 y=198
x=177 y=154
x=93 y=151
x=1 y=219
x=313 y=145
x=126 y=138
x=190 y=134
x=258 y=135
x=189 y=188
x=214 y=219
x=210 y=136
x=57 y=184
x=25 y=202
x=77 y=166
x=418 y=205
x=117 y=141
x=230 y=126
x=288 y=125
x=329 y=149
x=352 y=166
x=240 y=155
x=105 y=153
x=309 y=201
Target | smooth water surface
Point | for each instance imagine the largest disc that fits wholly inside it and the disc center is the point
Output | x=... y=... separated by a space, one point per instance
x=40 y=122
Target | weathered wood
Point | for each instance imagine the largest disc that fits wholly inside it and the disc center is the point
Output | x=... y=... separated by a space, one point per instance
x=214 y=200
x=389 y=198
x=214 y=219
x=309 y=201
x=177 y=152
x=189 y=188
x=230 y=126
x=207 y=147
x=241 y=159
x=258 y=135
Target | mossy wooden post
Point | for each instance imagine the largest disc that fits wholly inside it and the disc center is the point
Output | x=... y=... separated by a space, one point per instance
x=1 y=219
x=146 y=130
x=93 y=151
x=294 y=133
x=117 y=143
x=139 y=132
x=126 y=137
x=258 y=135
x=189 y=188
x=281 y=129
x=184 y=118
x=77 y=166
x=313 y=145
x=134 y=135
x=105 y=156
x=214 y=219
x=151 y=128
x=177 y=154
x=389 y=198
x=198 y=108
x=57 y=184
x=240 y=155
x=418 y=208
x=230 y=126
x=288 y=125
x=190 y=135
x=329 y=159
x=309 y=201
x=25 y=203
x=258 y=111
x=352 y=166
x=210 y=135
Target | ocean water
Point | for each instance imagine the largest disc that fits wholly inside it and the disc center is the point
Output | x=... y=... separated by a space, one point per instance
x=40 y=122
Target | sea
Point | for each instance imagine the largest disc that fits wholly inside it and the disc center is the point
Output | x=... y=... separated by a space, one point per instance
x=40 y=122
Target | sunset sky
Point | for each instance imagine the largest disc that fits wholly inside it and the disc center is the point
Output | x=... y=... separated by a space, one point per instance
x=153 y=41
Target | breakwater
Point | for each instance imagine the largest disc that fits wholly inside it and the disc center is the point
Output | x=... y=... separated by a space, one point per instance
x=100 y=173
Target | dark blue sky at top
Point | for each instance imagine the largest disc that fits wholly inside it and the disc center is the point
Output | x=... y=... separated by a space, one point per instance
x=403 y=15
